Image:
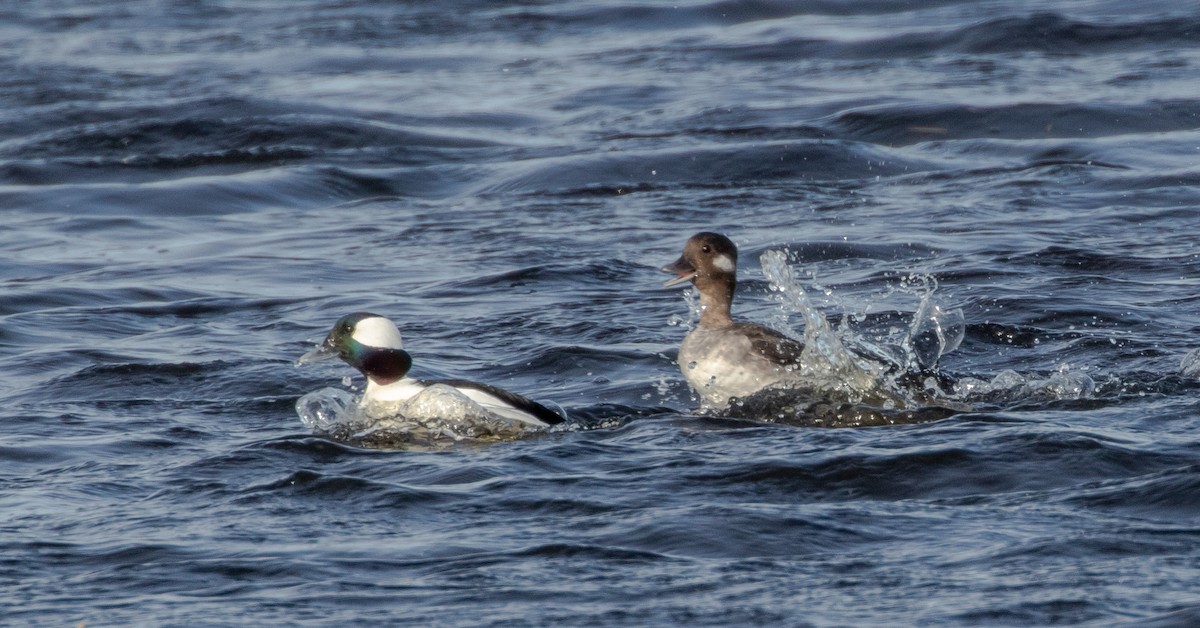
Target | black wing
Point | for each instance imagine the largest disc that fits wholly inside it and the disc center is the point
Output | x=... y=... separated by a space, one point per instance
x=775 y=346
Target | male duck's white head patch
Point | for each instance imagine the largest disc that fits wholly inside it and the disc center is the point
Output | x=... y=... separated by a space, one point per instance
x=725 y=263
x=379 y=332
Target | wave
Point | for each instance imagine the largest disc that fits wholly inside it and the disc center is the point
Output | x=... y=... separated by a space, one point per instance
x=710 y=166
x=905 y=123
x=1041 y=32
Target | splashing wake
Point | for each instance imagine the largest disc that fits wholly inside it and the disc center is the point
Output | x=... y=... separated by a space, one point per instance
x=845 y=378
x=850 y=377
x=437 y=415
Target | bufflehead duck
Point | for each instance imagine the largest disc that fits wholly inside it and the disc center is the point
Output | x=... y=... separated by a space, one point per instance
x=371 y=344
x=721 y=358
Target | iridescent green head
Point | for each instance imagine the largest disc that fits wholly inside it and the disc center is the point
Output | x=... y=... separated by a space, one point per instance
x=369 y=343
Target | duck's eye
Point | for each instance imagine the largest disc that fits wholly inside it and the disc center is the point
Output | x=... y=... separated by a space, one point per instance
x=706 y=248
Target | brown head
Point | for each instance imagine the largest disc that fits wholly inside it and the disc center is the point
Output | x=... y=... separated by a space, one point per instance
x=709 y=261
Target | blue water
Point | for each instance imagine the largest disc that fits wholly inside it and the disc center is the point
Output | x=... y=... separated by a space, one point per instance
x=192 y=192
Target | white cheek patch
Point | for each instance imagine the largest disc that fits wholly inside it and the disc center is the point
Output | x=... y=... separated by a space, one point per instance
x=378 y=332
x=725 y=263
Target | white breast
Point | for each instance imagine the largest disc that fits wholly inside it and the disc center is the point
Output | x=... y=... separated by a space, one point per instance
x=720 y=364
x=402 y=390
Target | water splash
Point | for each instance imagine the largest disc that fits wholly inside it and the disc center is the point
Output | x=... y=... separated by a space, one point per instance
x=327 y=408
x=692 y=297
x=1190 y=365
x=826 y=363
x=880 y=368
x=1010 y=386
x=935 y=330
x=665 y=389
x=932 y=331
x=892 y=370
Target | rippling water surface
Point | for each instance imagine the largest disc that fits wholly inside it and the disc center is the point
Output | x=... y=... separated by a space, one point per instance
x=192 y=192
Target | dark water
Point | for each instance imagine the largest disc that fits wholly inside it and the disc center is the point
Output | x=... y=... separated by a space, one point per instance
x=192 y=192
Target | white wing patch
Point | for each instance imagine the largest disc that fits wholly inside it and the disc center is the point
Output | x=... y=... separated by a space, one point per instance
x=725 y=263
x=378 y=332
x=499 y=407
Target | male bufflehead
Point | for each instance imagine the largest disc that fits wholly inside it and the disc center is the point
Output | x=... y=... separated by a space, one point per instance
x=371 y=344
x=722 y=358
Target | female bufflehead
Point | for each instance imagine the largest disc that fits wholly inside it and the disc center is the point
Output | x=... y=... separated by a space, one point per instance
x=722 y=358
x=371 y=344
